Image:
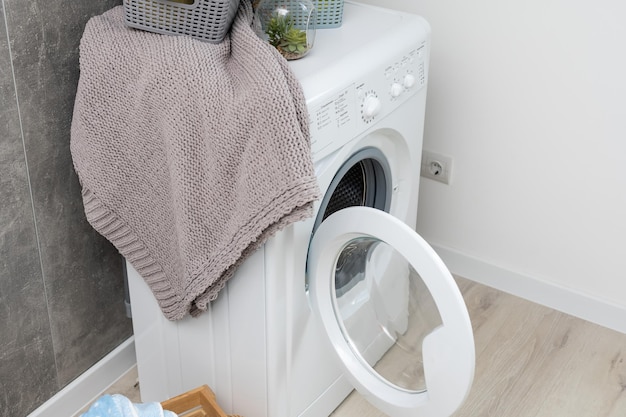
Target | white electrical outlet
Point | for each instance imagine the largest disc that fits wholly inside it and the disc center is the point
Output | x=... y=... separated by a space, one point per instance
x=436 y=167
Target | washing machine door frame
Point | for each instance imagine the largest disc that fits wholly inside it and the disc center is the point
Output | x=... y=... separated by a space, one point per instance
x=448 y=351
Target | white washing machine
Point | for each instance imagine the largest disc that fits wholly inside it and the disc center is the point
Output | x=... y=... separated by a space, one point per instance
x=352 y=298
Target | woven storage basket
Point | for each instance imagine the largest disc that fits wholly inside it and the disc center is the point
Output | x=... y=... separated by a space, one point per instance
x=206 y=20
x=329 y=13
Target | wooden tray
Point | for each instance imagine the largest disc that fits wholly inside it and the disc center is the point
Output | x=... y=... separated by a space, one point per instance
x=199 y=402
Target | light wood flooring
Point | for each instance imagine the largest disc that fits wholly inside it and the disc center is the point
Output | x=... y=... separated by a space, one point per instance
x=531 y=361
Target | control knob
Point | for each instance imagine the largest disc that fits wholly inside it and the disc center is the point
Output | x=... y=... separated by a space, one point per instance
x=396 y=89
x=409 y=80
x=371 y=106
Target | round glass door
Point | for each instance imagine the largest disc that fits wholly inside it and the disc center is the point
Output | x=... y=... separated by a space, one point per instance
x=392 y=312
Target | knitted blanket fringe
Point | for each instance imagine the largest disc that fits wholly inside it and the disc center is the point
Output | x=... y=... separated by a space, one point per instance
x=190 y=154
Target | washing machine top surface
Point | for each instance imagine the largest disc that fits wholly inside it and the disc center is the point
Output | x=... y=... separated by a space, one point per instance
x=358 y=73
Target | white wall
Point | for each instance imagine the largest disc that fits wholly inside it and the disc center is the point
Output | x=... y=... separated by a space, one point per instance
x=529 y=98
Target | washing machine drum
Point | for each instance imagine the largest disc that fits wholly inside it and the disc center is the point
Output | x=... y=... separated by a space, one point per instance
x=363 y=180
x=389 y=307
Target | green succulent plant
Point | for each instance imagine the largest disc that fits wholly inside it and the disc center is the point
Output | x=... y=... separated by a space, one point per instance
x=294 y=41
x=290 y=41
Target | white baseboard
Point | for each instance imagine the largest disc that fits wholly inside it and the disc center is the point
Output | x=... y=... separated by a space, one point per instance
x=91 y=384
x=541 y=292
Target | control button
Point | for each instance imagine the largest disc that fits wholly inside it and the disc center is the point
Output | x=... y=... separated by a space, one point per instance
x=371 y=106
x=396 y=89
x=409 y=80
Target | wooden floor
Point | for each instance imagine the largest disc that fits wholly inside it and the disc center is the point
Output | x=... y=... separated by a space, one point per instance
x=532 y=361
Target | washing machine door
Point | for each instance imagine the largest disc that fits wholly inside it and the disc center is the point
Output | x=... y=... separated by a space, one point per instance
x=368 y=274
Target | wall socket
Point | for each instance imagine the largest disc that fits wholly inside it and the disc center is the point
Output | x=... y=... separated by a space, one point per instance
x=436 y=167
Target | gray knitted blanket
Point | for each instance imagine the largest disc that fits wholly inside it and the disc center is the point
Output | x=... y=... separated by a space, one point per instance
x=190 y=154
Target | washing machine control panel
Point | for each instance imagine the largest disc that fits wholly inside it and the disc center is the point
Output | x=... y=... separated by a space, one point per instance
x=345 y=113
x=407 y=74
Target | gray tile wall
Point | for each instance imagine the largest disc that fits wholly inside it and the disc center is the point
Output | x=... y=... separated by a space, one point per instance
x=61 y=285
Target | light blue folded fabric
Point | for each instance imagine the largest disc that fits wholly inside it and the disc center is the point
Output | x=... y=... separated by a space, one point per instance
x=117 y=405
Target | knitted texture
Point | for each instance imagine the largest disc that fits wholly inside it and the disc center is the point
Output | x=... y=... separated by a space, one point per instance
x=190 y=154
